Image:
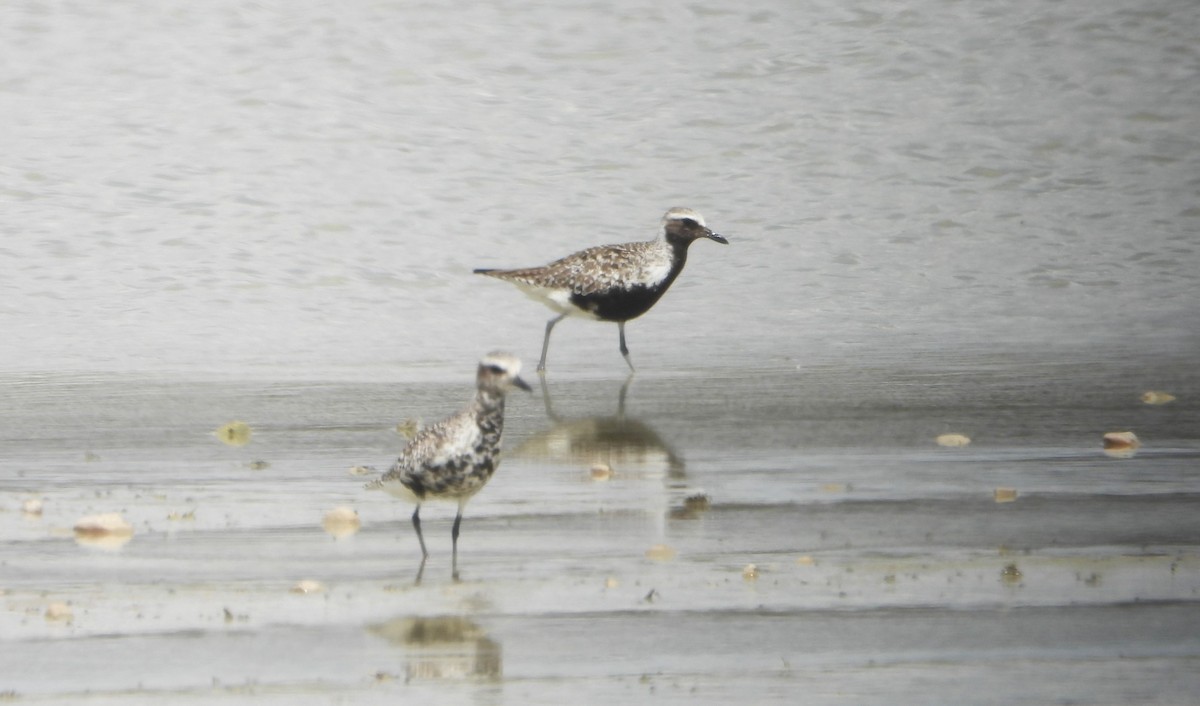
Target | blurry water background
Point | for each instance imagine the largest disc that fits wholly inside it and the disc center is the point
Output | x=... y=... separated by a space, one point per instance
x=303 y=189
x=944 y=217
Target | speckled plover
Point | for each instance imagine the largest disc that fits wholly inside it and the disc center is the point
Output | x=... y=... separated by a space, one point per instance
x=454 y=458
x=612 y=282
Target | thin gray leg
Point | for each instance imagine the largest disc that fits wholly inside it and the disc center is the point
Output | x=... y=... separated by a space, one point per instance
x=417 y=526
x=546 y=340
x=454 y=541
x=624 y=348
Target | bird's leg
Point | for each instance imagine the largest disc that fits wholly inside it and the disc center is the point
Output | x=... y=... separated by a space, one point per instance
x=416 y=519
x=625 y=348
x=454 y=541
x=546 y=341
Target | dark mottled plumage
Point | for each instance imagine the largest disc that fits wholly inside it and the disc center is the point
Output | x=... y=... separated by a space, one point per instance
x=612 y=282
x=454 y=458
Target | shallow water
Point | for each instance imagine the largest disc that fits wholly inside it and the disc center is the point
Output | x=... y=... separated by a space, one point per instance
x=943 y=218
x=886 y=570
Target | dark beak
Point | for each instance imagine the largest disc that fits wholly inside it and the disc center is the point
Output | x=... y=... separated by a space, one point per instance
x=717 y=237
x=522 y=384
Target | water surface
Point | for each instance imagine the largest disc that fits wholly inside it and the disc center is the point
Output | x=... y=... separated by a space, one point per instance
x=944 y=218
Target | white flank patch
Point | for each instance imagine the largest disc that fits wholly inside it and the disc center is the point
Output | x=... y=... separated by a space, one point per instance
x=557 y=299
x=651 y=274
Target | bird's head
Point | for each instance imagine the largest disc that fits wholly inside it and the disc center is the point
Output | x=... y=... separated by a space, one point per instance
x=685 y=225
x=500 y=372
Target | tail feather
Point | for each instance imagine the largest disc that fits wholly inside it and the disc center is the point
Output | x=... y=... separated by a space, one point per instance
x=376 y=484
x=518 y=275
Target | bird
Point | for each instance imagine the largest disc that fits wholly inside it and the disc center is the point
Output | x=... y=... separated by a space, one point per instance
x=454 y=458
x=612 y=282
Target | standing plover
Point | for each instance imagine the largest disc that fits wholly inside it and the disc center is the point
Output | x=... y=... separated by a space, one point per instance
x=455 y=458
x=612 y=282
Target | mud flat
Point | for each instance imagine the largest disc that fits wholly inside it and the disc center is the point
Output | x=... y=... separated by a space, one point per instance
x=886 y=568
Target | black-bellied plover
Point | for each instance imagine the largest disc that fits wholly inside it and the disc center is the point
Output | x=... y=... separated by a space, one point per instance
x=612 y=282
x=454 y=458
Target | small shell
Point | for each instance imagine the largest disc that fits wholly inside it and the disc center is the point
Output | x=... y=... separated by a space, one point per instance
x=32 y=507
x=601 y=472
x=660 y=552
x=1157 y=397
x=341 y=522
x=107 y=531
x=750 y=572
x=805 y=560
x=953 y=440
x=1004 y=495
x=1121 y=440
x=59 y=613
x=1121 y=444
x=308 y=586
x=109 y=523
x=408 y=428
x=234 y=433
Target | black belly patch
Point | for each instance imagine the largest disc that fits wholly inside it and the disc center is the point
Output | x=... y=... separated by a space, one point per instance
x=415 y=485
x=619 y=304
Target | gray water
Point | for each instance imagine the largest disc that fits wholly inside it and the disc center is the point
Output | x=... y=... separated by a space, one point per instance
x=286 y=188
x=943 y=216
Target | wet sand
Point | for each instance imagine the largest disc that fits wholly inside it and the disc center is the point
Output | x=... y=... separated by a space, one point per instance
x=885 y=570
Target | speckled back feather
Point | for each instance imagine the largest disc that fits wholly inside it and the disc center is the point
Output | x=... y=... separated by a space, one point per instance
x=597 y=269
x=438 y=444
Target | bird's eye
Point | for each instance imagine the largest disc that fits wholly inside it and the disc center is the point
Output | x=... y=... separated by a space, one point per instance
x=495 y=369
x=690 y=223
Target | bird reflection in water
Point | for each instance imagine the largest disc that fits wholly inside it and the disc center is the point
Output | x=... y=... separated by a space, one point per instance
x=630 y=447
x=443 y=648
